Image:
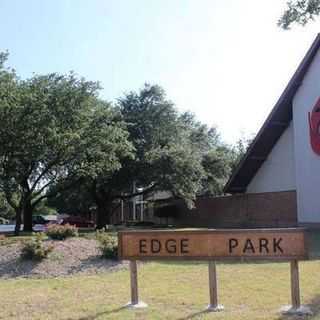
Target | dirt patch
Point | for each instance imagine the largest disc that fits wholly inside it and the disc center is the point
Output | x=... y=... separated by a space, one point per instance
x=69 y=257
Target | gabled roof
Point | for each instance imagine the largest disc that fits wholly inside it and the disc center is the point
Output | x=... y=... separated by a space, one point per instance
x=272 y=129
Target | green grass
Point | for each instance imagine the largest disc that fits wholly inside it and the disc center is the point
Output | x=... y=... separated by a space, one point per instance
x=172 y=290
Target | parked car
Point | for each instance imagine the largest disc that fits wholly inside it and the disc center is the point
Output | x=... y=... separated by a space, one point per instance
x=79 y=222
x=42 y=219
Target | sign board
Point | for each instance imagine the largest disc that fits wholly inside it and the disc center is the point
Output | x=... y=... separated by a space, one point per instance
x=279 y=244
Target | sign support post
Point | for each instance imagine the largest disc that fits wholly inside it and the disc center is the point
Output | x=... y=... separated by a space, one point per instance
x=135 y=303
x=213 y=290
x=134 y=282
x=295 y=287
x=295 y=307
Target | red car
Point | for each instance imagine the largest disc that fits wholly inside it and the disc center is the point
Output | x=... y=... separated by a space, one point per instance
x=79 y=222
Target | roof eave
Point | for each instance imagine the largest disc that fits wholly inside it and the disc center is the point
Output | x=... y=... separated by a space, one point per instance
x=285 y=101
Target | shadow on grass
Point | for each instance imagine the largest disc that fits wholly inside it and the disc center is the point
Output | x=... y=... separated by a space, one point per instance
x=99 y=314
x=195 y=315
x=314 y=306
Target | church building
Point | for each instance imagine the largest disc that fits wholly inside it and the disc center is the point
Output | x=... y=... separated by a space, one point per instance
x=285 y=155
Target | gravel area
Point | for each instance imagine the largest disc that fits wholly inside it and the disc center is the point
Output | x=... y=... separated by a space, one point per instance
x=69 y=257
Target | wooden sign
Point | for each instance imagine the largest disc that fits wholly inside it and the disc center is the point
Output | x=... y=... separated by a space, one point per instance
x=276 y=244
x=280 y=244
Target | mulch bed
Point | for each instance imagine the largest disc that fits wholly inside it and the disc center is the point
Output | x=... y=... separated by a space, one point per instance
x=69 y=257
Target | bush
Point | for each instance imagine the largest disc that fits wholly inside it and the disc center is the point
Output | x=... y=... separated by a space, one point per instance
x=108 y=244
x=35 y=249
x=61 y=232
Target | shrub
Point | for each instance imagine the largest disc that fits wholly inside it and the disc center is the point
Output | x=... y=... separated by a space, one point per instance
x=108 y=244
x=35 y=249
x=61 y=232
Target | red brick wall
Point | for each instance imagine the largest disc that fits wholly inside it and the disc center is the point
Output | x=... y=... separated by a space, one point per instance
x=272 y=209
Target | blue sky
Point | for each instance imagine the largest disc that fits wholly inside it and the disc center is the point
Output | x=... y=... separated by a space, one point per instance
x=226 y=61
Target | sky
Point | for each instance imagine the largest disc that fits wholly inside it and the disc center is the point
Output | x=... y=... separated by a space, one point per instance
x=225 y=61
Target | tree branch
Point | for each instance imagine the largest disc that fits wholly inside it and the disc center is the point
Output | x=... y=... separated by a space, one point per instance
x=57 y=190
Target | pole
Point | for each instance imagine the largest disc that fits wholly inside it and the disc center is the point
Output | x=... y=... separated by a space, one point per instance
x=134 y=303
x=213 y=290
x=213 y=284
x=296 y=308
x=141 y=208
x=295 y=288
x=134 y=282
x=134 y=217
x=122 y=214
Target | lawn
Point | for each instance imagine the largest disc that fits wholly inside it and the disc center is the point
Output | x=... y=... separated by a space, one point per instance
x=172 y=290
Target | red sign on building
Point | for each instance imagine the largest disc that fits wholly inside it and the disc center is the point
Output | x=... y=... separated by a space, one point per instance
x=314 y=128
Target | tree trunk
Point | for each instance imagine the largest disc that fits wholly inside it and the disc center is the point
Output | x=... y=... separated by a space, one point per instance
x=103 y=214
x=27 y=217
x=18 y=221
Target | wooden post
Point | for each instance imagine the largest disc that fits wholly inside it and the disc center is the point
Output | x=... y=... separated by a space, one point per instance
x=134 y=303
x=213 y=284
x=213 y=291
x=134 y=282
x=295 y=308
x=295 y=288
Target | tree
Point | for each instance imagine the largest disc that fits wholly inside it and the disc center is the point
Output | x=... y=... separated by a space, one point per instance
x=44 y=208
x=168 y=153
x=238 y=150
x=42 y=135
x=299 y=11
x=217 y=164
x=216 y=157
x=76 y=200
x=106 y=149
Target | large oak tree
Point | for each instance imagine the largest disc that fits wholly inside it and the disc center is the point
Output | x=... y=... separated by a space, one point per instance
x=171 y=151
x=54 y=132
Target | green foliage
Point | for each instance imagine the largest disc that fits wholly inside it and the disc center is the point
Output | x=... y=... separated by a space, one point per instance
x=299 y=11
x=60 y=141
x=35 y=249
x=170 y=147
x=165 y=151
x=106 y=149
x=239 y=150
x=76 y=200
x=108 y=244
x=6 y=211
x=3 y=221
x=41 y=134
x=61 y=232
x=44 y=208
x=217 y=164
x=54 y=133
